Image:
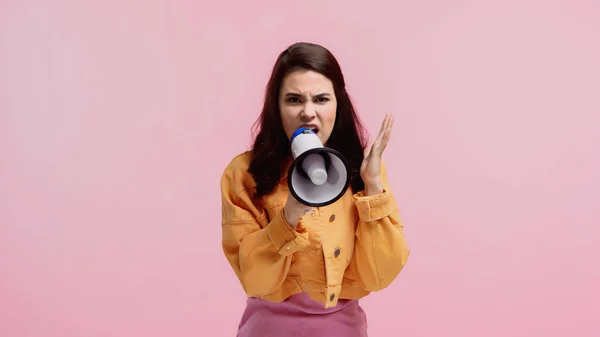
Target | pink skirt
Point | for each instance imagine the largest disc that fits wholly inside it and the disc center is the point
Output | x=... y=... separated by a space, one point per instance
x=300 y=316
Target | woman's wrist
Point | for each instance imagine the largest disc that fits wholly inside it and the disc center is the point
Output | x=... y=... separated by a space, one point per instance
x=373 y=188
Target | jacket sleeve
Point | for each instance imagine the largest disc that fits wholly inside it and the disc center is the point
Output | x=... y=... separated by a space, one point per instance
x=380 y=249
x=258 y=250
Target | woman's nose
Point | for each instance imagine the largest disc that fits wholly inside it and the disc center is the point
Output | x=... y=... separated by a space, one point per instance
x=309 y=111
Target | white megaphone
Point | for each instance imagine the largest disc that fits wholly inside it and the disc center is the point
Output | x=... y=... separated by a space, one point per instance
x=318 y=175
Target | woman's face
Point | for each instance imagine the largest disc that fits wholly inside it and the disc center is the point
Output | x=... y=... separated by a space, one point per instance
x=307 y=99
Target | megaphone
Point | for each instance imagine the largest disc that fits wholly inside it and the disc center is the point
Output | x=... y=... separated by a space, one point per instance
x=318 y=175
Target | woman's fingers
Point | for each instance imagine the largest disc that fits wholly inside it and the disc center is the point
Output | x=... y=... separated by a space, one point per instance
x=384 y=134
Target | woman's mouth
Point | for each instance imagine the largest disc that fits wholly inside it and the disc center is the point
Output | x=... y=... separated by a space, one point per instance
x=314 y=128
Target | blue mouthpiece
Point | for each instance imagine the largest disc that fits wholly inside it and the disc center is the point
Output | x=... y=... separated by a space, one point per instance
x=300 y=131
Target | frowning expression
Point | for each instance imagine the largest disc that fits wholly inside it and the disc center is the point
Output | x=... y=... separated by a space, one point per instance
x=307 y=99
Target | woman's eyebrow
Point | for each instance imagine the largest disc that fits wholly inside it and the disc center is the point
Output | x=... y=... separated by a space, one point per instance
x=323 y=94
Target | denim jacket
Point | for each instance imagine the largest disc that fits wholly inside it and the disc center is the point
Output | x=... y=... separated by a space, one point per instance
x=344 y=250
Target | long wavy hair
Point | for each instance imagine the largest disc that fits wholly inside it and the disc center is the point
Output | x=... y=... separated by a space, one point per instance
x=271 y=147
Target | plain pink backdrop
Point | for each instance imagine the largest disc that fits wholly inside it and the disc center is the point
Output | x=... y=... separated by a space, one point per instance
x=118 y=117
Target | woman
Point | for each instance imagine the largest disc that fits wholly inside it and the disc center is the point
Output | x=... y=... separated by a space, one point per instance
x=304 y=269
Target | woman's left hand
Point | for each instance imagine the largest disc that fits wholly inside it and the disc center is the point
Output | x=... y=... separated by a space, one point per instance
x=370 y=169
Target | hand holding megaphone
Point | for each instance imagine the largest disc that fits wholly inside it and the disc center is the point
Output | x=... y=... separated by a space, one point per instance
x=318 y=175
x=294 y=209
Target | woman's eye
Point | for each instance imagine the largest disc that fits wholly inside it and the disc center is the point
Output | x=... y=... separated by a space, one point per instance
x=322 y=99
x=293 y=100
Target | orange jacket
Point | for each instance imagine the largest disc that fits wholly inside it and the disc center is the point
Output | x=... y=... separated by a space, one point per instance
x=345 y=250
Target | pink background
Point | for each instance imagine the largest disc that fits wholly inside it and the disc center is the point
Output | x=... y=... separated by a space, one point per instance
x=114 y=132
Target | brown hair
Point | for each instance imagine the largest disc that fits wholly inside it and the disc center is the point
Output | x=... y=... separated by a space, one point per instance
x=271 y=147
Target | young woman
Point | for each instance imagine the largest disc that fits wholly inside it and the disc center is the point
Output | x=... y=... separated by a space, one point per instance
x=304 y=269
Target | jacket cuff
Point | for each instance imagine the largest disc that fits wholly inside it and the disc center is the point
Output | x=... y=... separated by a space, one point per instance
x=284 y=237
x=374 y=207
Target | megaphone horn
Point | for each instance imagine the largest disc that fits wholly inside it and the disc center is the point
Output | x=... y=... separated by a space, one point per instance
x=318 y=175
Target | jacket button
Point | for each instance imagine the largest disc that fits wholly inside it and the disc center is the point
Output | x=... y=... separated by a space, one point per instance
x=331 y=297
x=332 y=217
x=336 y=253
